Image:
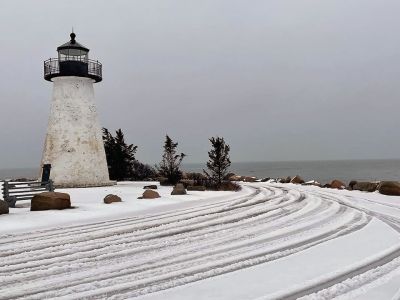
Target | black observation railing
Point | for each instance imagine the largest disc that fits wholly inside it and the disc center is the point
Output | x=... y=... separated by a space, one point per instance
x=52 y=68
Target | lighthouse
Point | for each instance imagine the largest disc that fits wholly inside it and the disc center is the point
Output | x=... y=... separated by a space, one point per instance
x=74 y=146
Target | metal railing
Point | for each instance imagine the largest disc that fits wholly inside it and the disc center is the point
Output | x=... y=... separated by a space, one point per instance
x=52 y=68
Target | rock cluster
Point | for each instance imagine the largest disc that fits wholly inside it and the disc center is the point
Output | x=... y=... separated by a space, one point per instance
x=242 y=178
x=391 y=188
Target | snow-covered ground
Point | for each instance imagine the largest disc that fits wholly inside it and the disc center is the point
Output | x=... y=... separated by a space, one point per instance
x=268 y=241
x=89 y=207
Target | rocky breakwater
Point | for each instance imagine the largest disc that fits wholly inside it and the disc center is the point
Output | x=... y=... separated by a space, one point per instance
x=390 y=188
x=242 y=178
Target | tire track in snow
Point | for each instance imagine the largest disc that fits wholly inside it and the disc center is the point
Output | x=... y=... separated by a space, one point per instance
x=144 y=234
x=233 y=236
x=385 y=261
x=77 y=229
x=210 y=228
x=238 y=219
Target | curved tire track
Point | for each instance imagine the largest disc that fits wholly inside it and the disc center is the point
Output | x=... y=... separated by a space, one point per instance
x=129 y=257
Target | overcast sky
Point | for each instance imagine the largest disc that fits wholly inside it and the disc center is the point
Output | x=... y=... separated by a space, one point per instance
x=279 y=80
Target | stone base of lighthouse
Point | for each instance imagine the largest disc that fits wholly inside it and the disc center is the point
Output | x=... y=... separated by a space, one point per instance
x=74 y=144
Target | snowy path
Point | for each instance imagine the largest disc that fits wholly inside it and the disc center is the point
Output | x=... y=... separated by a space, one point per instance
x=266 y=242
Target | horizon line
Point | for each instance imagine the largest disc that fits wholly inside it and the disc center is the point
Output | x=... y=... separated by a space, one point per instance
x=254 y=161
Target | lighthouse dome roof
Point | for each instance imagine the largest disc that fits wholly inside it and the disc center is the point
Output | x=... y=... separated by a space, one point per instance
x=72 y=44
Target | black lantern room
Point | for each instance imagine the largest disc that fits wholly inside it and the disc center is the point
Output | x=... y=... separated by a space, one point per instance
x=73 y=60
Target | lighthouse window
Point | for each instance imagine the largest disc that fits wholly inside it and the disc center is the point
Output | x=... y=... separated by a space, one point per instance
x=72 y=54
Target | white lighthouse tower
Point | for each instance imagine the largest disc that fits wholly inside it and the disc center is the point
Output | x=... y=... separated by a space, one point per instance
x=74 y=146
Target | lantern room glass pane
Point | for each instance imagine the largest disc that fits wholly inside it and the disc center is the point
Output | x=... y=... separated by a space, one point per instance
x=73 y=54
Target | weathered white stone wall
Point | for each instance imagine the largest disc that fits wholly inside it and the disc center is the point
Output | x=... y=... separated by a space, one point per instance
x=74 y=145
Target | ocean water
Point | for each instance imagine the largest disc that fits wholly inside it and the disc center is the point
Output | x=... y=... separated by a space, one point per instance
x=19 y=173
x=323 y=171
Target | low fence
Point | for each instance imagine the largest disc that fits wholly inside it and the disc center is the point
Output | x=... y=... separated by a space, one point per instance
x=16 y=191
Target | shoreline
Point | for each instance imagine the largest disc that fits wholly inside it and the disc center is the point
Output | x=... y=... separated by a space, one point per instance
x=322 y=171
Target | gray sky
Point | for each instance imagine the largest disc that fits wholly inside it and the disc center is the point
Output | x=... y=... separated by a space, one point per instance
x=280 y=80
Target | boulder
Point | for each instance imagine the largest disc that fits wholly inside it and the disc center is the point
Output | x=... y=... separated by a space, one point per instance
x=297 y=180
x=327 y=185
x=3 y=207
x=150 y=194
x=351 y=184
x=365 y=186
x=50 y=200
x=288 y=179
x=390 y=188
x=250 y=179
x=265 y=179
x=111 y=199
x=196 y=188
x=151 y=187
x=337 y=184
x=179 y=189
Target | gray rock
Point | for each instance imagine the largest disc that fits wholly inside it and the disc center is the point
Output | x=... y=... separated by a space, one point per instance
x=352 y=184
x=365 y=186
x=179 y=189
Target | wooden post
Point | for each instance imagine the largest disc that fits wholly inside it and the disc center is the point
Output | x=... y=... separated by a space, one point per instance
x=5 y=190
x=51 y=186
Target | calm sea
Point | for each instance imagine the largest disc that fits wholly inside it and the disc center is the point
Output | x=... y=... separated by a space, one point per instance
x=323 y=171
x=19 y=173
